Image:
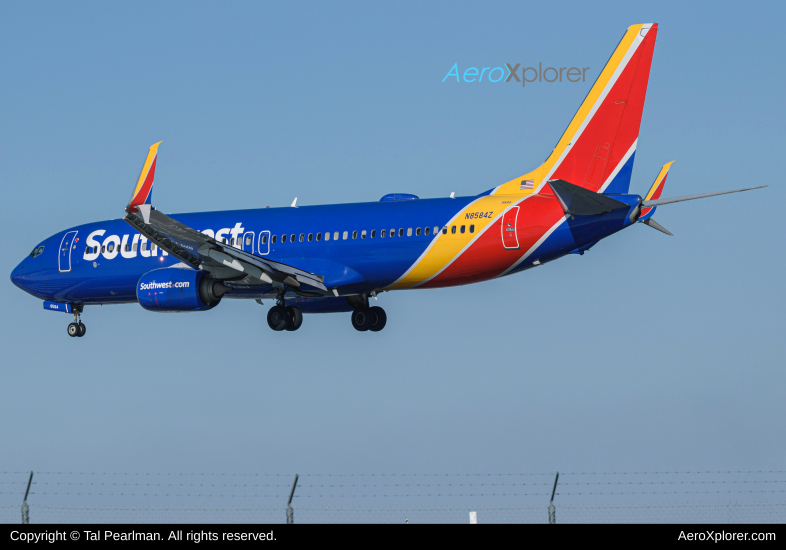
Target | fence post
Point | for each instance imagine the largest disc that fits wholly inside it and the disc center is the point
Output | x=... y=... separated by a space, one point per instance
x=552 y=511
x=290 y=512
x=25 y=507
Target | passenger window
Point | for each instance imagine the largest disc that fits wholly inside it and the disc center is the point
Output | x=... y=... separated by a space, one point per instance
x=409 y=232
x=144 y=247
x=445 y=230
x=393 y=232
x=345 y=235
x=283 y=238
x=335 y=236
x=319 y=236
x=401 y=232
x=436 y=229
x=363 y=234
x=417 y=232
x=354 y=234
x=327 y=235
x=103 y=249
x=472 y=228
x=310 y=237
x=133 y=247
x=111 y=247
x=248 y=240
x=383 y=233
x=128 y=247
x=453 y=230
x=463 y=228
x=232 y=241
x=373 y=233
x=264 y=239
x=292 y=238
x=302 y=236
x=427 y=231
x=274 y=239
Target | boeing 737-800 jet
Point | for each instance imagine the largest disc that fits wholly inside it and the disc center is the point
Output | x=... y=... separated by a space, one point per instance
x=333 y=258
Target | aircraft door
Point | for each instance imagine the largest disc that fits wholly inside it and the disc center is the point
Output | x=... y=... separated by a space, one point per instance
x=510 y=239
x=264 y=243
x=64 y=256
x=247 y=244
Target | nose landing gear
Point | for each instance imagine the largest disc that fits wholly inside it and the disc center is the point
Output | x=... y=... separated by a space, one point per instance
x=77 y=328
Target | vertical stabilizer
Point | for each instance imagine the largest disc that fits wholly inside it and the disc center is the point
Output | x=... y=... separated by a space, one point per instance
x=598 y=147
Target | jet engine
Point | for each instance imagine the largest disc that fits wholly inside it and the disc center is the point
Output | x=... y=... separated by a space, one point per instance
x=178 y=289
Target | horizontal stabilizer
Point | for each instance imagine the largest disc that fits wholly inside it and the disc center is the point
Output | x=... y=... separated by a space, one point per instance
x=578 y=201
x=660 y=202
x=655 y=225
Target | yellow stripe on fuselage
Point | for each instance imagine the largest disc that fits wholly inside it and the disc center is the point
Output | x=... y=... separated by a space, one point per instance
x=482 y=212
x=513 y=186
x=446 y=248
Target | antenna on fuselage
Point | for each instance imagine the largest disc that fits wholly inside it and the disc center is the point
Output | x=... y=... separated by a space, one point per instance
x=294 y=203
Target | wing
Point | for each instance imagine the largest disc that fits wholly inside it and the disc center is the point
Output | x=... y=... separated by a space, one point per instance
x=203 y=252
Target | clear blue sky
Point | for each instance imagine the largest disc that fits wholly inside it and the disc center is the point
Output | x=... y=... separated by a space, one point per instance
x=648 y=352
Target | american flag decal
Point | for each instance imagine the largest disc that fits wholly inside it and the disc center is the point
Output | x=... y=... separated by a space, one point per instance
x=527 y=184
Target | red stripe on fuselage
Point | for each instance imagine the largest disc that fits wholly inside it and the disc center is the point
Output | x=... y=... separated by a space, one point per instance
x=487 y=257
x=601 y=147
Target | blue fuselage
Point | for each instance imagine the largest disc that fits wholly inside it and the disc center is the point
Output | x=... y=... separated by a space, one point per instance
x=358 y=248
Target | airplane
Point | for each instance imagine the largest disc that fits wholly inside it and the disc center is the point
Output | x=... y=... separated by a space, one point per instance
x=335 y=258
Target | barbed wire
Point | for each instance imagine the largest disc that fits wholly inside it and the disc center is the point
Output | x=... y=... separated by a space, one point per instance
x=420 y=495
x=687 y=472
x=389 y=485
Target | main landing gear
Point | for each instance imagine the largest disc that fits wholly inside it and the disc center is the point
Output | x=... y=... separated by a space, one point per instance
x=367 y=318
x=77 y=328
x=282 y=317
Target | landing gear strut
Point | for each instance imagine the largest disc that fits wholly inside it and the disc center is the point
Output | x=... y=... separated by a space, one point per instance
x=77 y=328
x=368 y=318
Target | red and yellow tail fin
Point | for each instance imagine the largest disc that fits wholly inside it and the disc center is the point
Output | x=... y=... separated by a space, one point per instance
x=597 y=149
x=655 y=191
x=143 y=192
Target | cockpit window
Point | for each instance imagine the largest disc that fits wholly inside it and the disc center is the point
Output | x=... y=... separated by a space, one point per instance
x=36 y=251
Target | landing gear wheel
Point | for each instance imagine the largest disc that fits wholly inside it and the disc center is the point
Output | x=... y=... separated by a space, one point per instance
x=277 y=318
x=73 y=330
x=380 y=319
x=362 y=319
x=82 y=329
x=295 y=318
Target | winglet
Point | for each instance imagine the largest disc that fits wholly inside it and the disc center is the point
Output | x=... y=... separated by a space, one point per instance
x=143 y=192
x=655 y=191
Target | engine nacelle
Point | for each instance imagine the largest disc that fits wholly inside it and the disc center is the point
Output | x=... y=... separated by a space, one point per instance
x=177 y=289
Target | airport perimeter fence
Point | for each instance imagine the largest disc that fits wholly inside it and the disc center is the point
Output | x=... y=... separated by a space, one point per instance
x=584 y=497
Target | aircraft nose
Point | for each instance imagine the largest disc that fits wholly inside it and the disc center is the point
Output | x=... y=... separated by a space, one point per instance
x=18 y=276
